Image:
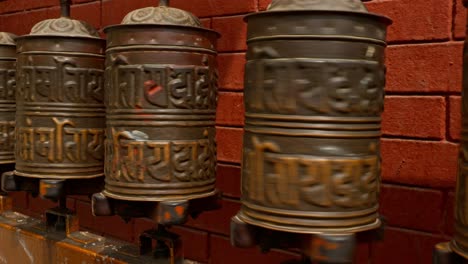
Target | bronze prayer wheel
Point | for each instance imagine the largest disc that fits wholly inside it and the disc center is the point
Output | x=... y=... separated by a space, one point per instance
x=7 y=97
x=460 y=242
x=161 y=93
x=314 y=94
x=60 y=99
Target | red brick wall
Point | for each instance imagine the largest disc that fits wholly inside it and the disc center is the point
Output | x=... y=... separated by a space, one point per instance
x=421 y=124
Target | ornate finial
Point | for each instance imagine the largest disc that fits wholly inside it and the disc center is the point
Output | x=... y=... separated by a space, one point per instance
x=163 y=2
x=65 y=8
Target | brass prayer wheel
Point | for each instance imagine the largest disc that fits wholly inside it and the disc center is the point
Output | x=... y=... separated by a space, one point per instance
x=7 y=97
x=314 y=94
x=161 y=93
x=60 y=100
x=460 y=241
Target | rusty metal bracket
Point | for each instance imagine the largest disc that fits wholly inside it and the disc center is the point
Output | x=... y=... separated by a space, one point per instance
x=443 y=254
x=50 y=188
x=317 y=248
x=163 y=213
x=164 y=246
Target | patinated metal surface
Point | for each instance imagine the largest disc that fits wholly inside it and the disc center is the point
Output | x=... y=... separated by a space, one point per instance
x=314 y=91
x=28 y=240
x=161 y=84
x=7 y=97
x=460 y=242
x=60 y=100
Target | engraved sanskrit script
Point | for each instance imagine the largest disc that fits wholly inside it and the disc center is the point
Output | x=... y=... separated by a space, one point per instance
x=62 y=143
x=62 y=82
x=289 y=180
x=289 y=86
x=162 y=86
x=133 y=157
x=7 y=84
x=7 y=136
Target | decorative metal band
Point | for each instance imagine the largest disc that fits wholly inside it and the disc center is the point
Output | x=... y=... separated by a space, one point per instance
x=328 y=5
x=64 y=27
x=162 y=15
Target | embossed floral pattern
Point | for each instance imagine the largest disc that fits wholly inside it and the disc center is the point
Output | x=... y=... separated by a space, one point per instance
x=6 y=38
x=162 y=15
x=64 y=27
x=345 y=5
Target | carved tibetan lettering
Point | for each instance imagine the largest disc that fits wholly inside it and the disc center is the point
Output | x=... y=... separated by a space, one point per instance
x=162 y=86
x=7 y=84
x=287 y=86
x=281 y=179
x=134 y=157
x=62 y=82
x=63 y=142
x=7 y=137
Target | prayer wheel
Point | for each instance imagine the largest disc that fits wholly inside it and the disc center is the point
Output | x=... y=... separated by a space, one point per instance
x=161 y=93
x=314 y=95
x=60 y=117
x=7 y=97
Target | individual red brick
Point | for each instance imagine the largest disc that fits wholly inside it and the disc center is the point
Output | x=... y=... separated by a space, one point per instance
x=115 y=227
x=420 y=163
x=113 y=11
x=230 y=110
x=222 y=252
x=449 y=214
x=228 y=179
x=424 y=68
x=416 y=19
x=454 y=117
x=362 y=253
x=263 y=4
x=142 y=225
x=38 y=206
x=404 y=247
x=206 y=22
x=217 y=221
x=229 y=144
x=20 y=200
x=82 y=1
x=198 y=250
x=85 y=216
x=459 y=27
x=209 y=8
x=88 y=12
x=412 y=208
x=22 y=23
x=10 y=6
x=414 y=116
x=233 y=33
x=231 y=71
x=28 y=4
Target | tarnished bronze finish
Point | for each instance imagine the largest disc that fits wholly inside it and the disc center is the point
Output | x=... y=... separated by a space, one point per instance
x=60 y=100
x=314 y=91
x=459 y=244
x=7 y=97
x=164 y=212
x=315 y=248
x=161 y=85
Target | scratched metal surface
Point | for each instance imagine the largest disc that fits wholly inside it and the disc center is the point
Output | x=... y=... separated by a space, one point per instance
x=25 y=240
